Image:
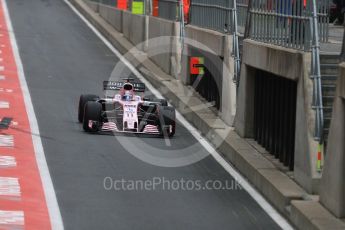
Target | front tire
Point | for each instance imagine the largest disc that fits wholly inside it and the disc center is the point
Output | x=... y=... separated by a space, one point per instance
x=82 y=102
x=92 y=112
x=167 y=119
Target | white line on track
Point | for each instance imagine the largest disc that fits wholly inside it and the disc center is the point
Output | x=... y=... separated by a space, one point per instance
x=48 y=188
x=6 y=91
x=233 y=172
x=4 y=105
x=7 y=162
x=6 y=141
x=11 y=219
x=9 y=188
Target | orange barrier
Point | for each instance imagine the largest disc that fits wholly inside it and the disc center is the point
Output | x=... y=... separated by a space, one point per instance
x=122 y=4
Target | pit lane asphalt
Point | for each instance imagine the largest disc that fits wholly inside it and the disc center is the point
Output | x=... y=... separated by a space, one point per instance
x=62 y=59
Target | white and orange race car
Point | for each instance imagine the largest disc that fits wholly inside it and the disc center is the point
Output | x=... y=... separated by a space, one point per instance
x=126 y=112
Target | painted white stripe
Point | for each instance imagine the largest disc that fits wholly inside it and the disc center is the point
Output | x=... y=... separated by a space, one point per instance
x=6 y=141
x=243 y=182
x=2 y=77
x=9 y=188
x=4 y=105
x=11 y=220
x=2 y=68
x=6 y=90
x=7 y=162
x=49 y=192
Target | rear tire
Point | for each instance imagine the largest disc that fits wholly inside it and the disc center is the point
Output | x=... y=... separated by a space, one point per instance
x=92 y=112
x=163 y=102
x=82 y=101
x=167 y=119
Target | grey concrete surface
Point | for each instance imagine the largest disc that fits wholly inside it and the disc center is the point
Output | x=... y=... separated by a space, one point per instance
x=228 y=106
x=305 y=146
x=313 y=216
x=334 y=43
x=93 y=5
x=213 y=40
x=112 y=15
x=332 y=181
x=278 y=188
x=62 y=58
x=293 y=65
x=134 y=27
x=126 y=23
x=244 y=119
x=278 y=60
x=160 y=42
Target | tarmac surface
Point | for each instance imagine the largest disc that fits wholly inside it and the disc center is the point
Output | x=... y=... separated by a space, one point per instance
x=93 y=174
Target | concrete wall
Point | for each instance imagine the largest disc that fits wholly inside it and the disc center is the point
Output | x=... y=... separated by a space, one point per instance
x=133 y=28
x=332 y=188
x=305 y=172
x=93 y=5
x=164 y=48
x=220 y=45
x=228 y=106
x=112 y=15
x=160 y=45
x=212 y=40
x=294 y=65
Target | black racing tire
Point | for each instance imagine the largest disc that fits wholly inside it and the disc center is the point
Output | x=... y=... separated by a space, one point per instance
x=93 y=111
x=163 y=102
x=82 y=101
x=167 y=118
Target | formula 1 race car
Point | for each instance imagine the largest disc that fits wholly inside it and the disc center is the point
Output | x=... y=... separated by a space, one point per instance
x=126 y=112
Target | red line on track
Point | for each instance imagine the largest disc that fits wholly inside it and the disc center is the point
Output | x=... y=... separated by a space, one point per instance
x=32 y=201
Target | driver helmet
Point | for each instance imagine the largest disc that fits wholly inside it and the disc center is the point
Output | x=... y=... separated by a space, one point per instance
x=127 y=96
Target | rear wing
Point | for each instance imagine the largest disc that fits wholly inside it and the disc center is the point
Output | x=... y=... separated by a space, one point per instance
x=116 y=85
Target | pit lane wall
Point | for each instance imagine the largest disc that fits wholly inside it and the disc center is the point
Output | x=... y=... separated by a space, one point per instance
x=332 y=182
x=289 y=64
x=159 y=39
x=305 y=211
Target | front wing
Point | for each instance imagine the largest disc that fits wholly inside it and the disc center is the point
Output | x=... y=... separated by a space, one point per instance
x=112 y=127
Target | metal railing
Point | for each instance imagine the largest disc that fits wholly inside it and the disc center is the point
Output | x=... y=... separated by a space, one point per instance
x=219 y=15
x=323 y=13
x=287 y=22
x=316 y=75
x=342 y=54
x=242 y=8
x=212 y=14
x=236 y=46
x=297 y=24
